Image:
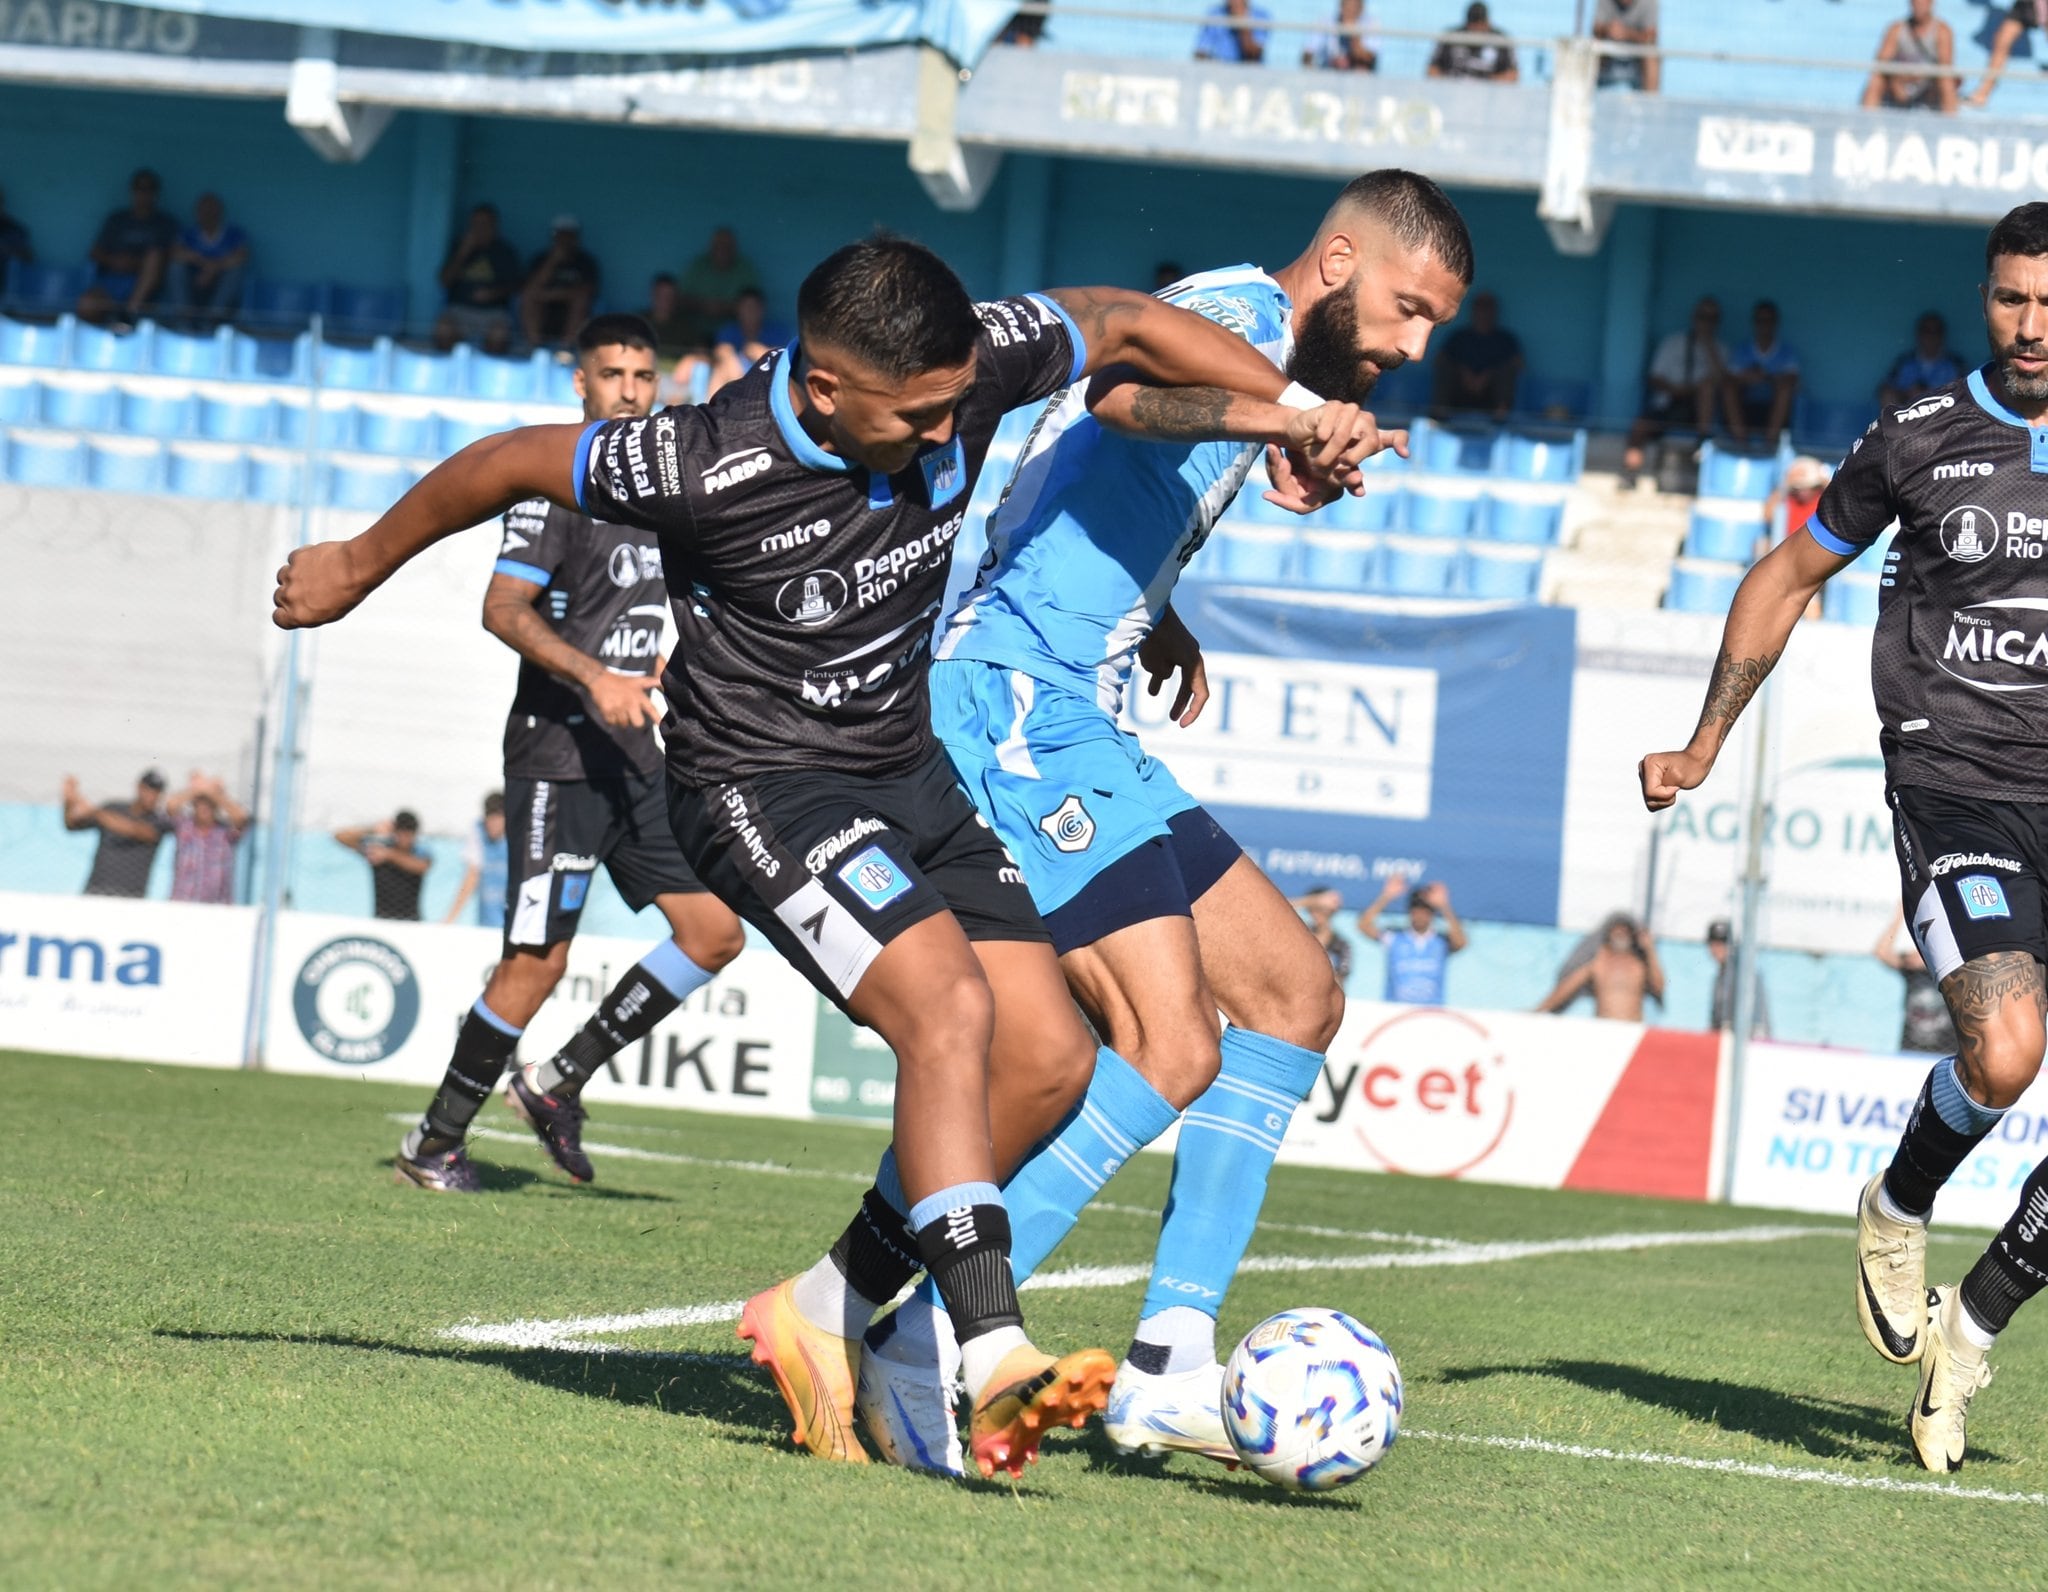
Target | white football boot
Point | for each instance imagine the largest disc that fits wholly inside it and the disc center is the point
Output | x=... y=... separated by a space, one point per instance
x=1179 y=1413
x=904 y=1397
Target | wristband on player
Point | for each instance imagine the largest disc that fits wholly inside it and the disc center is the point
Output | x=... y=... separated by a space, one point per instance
x=1299 y=397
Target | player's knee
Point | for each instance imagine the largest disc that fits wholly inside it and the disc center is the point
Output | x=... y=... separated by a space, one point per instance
x=954 y=1014
x=712 y=944
x=2000 y=1060
x=1301 y=1002
x=1178 y=1058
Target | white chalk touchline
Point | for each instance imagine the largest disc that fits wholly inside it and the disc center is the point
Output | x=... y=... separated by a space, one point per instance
x=1731 y=1467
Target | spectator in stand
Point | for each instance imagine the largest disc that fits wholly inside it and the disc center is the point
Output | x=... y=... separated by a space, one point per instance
x=1232 y=34
x=480 y=276
x=1417 y=956
x=1721 y=1011
x=711 y=286
x=1320 y=906
x=1628 y=22
x=1480 y=58
x=210 y=824
x=1762 y=379
x=1023 y=30
x=1806 y=478
x=2025 y=14
x=1342 y=51
x=130 y=832
x=665 y=315
x=14 y=240
x=746 y=338
x=129 y=256
x=1618 y=965
x=1919 y=38
x=1479 y=365
x=1926 y=1025
x=1683 y=385
x=1166 y=273
x=398 y=865
x=484 y=867
x=1929 y=364
x=207 y=263
x=560 y=287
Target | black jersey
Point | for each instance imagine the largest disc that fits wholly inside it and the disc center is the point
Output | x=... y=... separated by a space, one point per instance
x=804 y=588
x=1959 y=663
x=602 y=592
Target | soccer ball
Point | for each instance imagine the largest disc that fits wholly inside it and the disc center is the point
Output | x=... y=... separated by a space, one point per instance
x=1311 y=1399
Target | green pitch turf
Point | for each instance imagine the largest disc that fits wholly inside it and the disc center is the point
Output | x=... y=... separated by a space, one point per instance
x=223 y=1363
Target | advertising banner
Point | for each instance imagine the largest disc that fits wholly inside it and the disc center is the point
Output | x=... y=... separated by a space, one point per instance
x=138 y=980
x=360 y=998
x=1344 y=741
x=1816 y=1124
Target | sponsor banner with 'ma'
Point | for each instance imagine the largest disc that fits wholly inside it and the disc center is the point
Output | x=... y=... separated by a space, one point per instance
x=354 y=997
x=141 y=980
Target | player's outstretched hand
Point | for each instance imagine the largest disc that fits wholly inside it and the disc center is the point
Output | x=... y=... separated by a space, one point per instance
x=1170 y=649
x=1665 y=774
x=317 y=585
x=621 y=699
x=1331 y=440
x=1294 y=490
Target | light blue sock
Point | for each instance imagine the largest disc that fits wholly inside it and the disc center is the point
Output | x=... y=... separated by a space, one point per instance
x=1953 y=1104
x=1228 y=1139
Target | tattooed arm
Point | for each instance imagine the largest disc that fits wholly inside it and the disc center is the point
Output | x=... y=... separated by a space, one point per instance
x=1767 y=605
x=1997 y=1001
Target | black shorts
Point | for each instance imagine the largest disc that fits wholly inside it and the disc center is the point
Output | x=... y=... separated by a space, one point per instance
x=1971 y=875
x=556 y=833
x=832 y=867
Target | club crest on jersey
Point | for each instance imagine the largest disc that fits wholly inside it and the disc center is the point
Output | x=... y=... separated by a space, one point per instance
x=1969 y=533
x=874 y=878
x=812 y=600
x=1069 y=826
x=631 y=564
x=945 y=473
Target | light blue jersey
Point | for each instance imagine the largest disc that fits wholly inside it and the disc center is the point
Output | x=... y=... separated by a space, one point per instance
x=1095 y=528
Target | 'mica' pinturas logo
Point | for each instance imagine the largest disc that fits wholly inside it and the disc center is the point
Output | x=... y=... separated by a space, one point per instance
x=80 y=959
x=356 y=1000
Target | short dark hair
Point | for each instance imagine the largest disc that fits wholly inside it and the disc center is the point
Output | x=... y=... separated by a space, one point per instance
x=1765 y=307
x=486 y=206
x=1418 y=212
x=663 y=276
x=142 y=174
x=603 y=331
x=2021 y=230
x=494 y=804
x=406 y=821
x=750 y=293
x=891 y=304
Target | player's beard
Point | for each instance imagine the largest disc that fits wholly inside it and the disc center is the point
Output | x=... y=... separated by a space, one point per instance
x=1326 y=358
x=2032 y=388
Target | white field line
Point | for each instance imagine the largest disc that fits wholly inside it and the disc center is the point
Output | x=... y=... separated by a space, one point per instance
x=1731 y=1467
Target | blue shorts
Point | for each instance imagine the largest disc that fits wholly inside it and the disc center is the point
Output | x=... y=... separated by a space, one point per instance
x=1066 y=788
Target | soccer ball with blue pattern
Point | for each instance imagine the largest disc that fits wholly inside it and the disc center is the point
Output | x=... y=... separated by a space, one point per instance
x=1311 y=1399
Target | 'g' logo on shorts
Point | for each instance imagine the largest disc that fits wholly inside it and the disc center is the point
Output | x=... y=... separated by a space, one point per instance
x=1069 y=826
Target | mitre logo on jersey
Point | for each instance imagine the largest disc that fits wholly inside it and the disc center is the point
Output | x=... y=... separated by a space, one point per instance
x=796 y=536
x=1963 y=470
x=1969 y=533
x=1926 y=407
x=1996 y=651
x=812 y=599
x=735 y=468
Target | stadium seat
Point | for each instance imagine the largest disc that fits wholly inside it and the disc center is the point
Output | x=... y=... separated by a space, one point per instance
x=40 y=289
x=337 y=425
x=553 y=379
x=45 y=458
x=1263 y=553
x=233 y=419
x=147 y=413
x=36 y=343
x=273 y=475
x=455 y=432
x=125 y=464
x=505 y=379
x=357 y=483
x=428 y=374
x=96 y=348
x=1451 y=450
x=395 y=431
x=77 y=403
x=1723 y=530
x=1699 y=586
x=283 y=306
x=1413 y=567
x=1509 y=573
x=1509 y=516
x=1736 y=475
x=1851 y=598
x=1533 y=456
x=365 y=312
x=1378 y=510
x=1337 y=560
x=19 y=396
x=1251 y=507
x=1828 y=425
x=1441 y=508
x=1402 y=390
x=178 y=354
x=204 y=469
x=271 y=358
x=1554 y=397
x=362 y=369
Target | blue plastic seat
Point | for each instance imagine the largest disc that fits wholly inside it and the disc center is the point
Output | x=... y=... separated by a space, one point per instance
x=1378 y=510
x=1435 y=508
x=125 y=464
x=154 y=414
x=337 y=425
x=226 y=419
x=1699 y=586
x=1554 y=397
x=1736 y=475
x=365 y=312
x=283 y=306
x=373 y=484
x=1411 y=567
x=77 y=404
x=1452 y=450
x=1402 y=390
x=41 y=289
x=452 y=433
x=434 y=375
x=554 y=380
x=96 y=348
x=35 y=343
x=177 y=354
x=273 y=475
x=1831 y=424
x=510 y=380
x=1510 y=574
x=1851 y=598
x=1337 y=560
x=271 y=358
x=387 y=431
x=1261 y=553
x=1723 y=531
x=1251 y=507
x=360 y=369
x=20 y=397
x=1505 y=516
x=1532 y=456
x=204 y=469
x=45 y=458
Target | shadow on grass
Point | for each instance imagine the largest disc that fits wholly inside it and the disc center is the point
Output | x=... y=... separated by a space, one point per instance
x=500 y=1179
x=1828 y=1428
x=1202 y=1476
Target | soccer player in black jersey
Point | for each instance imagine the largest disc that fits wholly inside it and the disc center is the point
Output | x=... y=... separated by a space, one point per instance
x=581 y=602
x=1959 y=666
x=805 y=516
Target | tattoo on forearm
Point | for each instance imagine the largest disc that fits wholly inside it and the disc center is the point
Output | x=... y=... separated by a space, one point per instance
x=1978 y=990
x=1734 y=681
x=1095 y=314
x=1180 y=414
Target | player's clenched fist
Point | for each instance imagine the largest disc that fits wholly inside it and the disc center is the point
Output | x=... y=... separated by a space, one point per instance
x=1665 y=774
x=317 y=585
x=1331 y=440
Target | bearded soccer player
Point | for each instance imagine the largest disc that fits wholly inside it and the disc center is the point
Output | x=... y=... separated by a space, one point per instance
x=581 y=602
x=805 y=514
x=1958 y=664
x=1157 y=915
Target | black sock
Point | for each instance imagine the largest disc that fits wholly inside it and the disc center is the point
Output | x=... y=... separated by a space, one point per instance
x=481 y=1050
x=637 y=1002
x=876 y=1254
x=2015 y=1267
x=1929 y=1153
x=967 y=1251
x=1150 y=1357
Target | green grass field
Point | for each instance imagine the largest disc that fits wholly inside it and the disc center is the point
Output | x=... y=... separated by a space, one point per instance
x=225 y=1363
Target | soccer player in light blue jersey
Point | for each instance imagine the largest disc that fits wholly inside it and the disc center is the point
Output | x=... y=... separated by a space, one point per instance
x=1159 y=918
